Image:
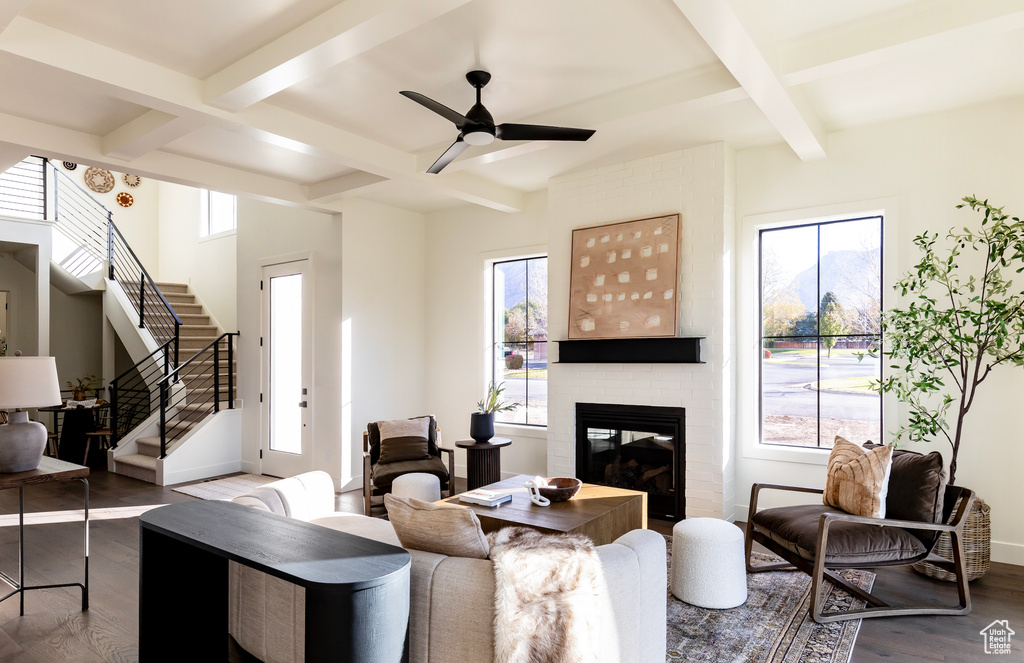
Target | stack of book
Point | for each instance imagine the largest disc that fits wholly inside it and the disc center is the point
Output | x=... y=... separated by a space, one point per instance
x=485 y=497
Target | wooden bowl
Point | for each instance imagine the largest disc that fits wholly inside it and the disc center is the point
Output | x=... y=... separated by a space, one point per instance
x=560 y=489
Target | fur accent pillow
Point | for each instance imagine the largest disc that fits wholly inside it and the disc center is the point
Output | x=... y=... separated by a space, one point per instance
x=858 y=479
x=445 y=529
x=404 y=439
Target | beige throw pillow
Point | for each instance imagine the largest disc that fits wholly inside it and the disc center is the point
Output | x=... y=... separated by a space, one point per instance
x=445 y=529
x=858 y=479
x=404 y=439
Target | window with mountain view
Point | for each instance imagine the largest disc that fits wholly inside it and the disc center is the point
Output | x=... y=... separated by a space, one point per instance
x=820 y=302
x=521 y=338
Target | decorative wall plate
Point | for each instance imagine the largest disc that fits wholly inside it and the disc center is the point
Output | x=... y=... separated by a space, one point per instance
x=70 y=165
x=99 y=180
x=132 y=180
x=124 y=199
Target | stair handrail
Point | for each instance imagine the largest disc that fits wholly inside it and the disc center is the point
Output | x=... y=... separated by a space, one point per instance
x=174 y=375
x=74 y=225
x=114 y=391
x=144 y=278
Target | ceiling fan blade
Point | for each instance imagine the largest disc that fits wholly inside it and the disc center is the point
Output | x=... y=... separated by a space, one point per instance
x=457 y=148
x=447 y=113
x=539 y=132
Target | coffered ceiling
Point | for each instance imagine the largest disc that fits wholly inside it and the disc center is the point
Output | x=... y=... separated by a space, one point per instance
x=297 y=101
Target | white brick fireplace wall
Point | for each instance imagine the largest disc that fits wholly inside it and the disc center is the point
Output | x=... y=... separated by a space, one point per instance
x=697 y=183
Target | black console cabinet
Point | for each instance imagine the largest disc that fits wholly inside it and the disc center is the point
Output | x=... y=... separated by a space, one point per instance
x=357 y=590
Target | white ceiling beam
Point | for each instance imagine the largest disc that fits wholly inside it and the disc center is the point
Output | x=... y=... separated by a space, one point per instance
x=719 y=26
x=476 y=190
x=154 y=87
x=340 y=33
x=79 y=147
x=351 y=184
x=9 y=10
x=921 y=29
x=681 y=93
x=11 y=155
x=150 y=131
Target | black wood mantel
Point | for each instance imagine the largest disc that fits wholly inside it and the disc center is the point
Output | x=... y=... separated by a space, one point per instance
x=676 y=350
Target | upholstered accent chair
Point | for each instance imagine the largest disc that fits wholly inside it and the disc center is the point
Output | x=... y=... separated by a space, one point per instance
x=816 y=538
x=378 y=476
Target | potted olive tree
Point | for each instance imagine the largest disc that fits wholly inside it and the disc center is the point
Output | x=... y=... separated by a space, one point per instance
x=965 y=318
x=481 y=422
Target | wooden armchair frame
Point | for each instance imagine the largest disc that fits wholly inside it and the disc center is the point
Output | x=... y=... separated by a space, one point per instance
x=819 y=571
x=369 y=490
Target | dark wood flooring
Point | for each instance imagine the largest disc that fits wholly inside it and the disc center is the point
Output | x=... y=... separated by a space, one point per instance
x=55 y=629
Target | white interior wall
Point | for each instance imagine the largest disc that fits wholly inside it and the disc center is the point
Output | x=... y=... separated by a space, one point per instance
x=459 y=243
x=381 y=327
x=377 y=253
x=207 y=264
x=76 y=336
x=928 y=163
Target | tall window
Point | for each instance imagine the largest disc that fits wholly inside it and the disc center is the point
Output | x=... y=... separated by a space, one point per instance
x=521 y=338
x=820 y=302
x=216 y=212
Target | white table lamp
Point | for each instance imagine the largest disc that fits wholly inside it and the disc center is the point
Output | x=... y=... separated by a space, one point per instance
x=25 y=382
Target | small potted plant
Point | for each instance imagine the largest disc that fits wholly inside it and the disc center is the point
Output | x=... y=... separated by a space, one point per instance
x=79 y=386
x=481 y=422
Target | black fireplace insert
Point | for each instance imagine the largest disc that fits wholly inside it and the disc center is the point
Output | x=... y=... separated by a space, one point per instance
x=639 y=447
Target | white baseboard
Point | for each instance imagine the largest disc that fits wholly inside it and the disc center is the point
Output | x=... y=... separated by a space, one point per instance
x=1008 y=553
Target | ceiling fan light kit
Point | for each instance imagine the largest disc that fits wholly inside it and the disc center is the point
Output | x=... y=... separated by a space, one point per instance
x=477 y=126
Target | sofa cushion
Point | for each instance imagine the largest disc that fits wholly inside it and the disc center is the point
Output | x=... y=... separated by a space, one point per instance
x=917 y=485
x=445 y=529
x=384 y=474
x=373 y=438
x=858 y=479
x=403 y=439
x=854 y=544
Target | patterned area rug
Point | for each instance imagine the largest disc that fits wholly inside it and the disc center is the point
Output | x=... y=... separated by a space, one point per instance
x=225 y=489
x=773 y=626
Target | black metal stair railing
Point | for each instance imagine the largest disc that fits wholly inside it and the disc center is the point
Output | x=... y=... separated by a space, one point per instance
x=154 y=311
x=134 y=394
x=195 y=389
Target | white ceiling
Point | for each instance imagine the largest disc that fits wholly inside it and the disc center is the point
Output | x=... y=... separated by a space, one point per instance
x=297 y=100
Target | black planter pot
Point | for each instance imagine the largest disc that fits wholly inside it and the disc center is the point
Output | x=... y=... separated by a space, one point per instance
x=481 y=426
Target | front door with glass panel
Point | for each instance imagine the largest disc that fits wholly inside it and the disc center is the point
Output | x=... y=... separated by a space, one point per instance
x=286 y=431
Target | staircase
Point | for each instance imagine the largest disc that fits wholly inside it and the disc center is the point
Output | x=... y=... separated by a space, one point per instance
x=195 y=387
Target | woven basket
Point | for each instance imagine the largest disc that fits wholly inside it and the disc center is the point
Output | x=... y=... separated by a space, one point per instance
x=977 y=545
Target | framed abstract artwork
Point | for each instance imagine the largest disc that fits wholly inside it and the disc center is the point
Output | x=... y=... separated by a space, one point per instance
x=624 y=279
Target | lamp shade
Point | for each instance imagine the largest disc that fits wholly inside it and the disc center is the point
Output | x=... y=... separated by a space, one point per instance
x=27 y=382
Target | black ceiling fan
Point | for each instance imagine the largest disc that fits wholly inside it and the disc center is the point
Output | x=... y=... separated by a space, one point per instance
x=477 y=126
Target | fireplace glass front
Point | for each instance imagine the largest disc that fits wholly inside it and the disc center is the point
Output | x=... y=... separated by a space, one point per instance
x=634 y=447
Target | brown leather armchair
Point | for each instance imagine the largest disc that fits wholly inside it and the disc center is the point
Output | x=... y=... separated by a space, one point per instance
x=815 y=538
x=378 y=477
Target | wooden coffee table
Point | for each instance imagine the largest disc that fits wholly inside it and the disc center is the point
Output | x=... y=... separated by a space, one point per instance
x=600 y=512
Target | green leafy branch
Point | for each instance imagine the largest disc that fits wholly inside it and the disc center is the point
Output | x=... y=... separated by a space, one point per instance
x=492 y=401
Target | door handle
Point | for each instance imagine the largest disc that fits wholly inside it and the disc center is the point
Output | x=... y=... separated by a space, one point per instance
x=302 y=403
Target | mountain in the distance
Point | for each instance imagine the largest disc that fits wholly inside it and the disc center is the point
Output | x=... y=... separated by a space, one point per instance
x=843 y=272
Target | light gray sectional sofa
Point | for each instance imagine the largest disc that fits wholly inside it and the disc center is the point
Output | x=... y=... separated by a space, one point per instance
x=452 y=602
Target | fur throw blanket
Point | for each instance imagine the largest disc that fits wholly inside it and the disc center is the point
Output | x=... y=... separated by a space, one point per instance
x=547 y=591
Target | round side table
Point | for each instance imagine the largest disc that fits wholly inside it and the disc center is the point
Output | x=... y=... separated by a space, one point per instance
x=483 y=460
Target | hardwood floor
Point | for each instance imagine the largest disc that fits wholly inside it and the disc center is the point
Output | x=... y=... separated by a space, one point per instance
x=55 y=629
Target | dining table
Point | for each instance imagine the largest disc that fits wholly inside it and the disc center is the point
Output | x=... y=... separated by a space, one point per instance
x=72 y=420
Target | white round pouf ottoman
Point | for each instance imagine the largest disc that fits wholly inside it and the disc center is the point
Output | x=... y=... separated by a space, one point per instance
x=422 y=486
x=707 y=563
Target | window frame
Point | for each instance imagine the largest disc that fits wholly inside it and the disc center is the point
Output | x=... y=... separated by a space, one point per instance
x=492 y=259
x=748 y=316
x=818 y=336
x=205 y=218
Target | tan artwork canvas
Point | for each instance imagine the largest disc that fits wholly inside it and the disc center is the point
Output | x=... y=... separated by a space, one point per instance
x=624 y=279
